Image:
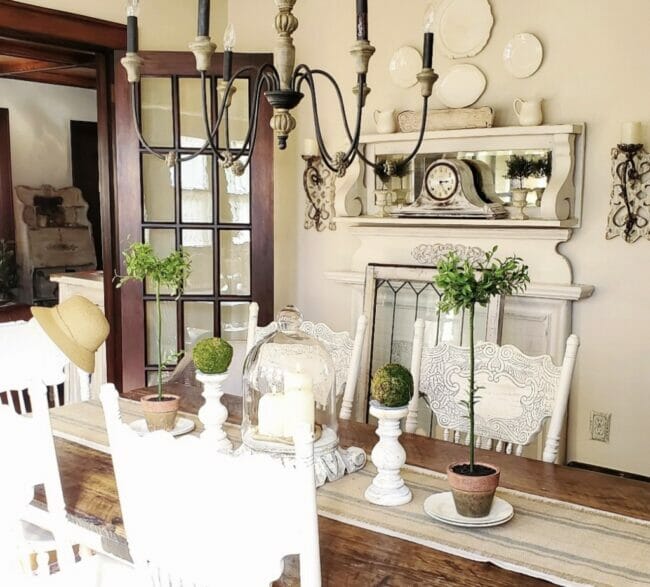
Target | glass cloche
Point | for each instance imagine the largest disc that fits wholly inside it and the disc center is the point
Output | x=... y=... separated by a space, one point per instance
x=289 y=378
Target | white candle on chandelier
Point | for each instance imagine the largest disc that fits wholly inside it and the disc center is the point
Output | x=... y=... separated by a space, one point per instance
x=310 y=148
x=299 y=401
x=631 y=133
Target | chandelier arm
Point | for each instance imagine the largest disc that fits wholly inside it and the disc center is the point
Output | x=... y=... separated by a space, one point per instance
x=138 y=130
x=361 y=85
x=206 y=120
x=423 y=125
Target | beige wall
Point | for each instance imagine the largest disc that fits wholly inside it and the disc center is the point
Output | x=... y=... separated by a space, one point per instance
x=39 y=123
x=595 y=71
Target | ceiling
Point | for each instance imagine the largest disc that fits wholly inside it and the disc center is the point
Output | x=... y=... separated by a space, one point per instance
x=26 y=60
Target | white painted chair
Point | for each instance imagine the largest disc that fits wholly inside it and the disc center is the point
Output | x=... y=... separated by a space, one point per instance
x=194 y=516
x=31 y=460
x=345 y=352
x=26 y=352
x=518 y=393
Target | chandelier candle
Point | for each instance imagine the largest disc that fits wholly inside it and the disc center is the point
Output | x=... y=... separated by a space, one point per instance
x=203 y=29
x=427 y=53
x=132 y=26
x=229 y=38
x=362 y=20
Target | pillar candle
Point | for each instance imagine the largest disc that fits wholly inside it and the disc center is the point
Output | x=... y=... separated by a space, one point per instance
x=631 y=133
x=270 y=415
x=310 y=148
x=298 y=402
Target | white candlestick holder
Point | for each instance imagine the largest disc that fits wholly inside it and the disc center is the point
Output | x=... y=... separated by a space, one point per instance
x=388 y=455
x=213 y=414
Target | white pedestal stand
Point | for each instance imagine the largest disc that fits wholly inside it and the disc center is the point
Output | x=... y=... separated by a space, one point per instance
x=213 y=413
x=388 y=455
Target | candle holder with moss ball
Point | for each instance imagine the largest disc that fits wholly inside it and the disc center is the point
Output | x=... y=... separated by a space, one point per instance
x=212 y=357
x=289 y=381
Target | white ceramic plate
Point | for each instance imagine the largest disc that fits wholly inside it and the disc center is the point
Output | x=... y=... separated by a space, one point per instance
x=464 y=27
x=523 y=55
x=404 y=65
x=183 y=426
x=461 y=86
x=440 y=506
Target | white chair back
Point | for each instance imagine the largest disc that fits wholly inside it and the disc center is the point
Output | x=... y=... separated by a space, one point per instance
x=345 y=352
x=29 y=458
x=517 y=392
x=26 y=354
x=194 y=516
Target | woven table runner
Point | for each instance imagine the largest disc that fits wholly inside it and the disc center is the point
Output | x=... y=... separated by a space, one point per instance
x=553 y=540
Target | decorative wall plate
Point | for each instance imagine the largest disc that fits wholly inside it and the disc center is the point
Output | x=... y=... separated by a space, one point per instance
x=461 y=86
x=464 y=27
x=404 y=66
x=523 y=55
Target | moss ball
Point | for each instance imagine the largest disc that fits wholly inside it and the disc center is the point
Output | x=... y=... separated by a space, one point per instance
x=212 y=355
x=392 y=386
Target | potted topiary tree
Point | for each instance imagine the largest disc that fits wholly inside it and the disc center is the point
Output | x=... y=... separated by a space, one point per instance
x=160 y=409
x=519 y=168
x=391 y=390
x=8 y=271
x=212 y=357
x=462 y=286
x=542 y=168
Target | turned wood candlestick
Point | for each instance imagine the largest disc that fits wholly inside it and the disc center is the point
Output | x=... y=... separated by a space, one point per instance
x=213 y=414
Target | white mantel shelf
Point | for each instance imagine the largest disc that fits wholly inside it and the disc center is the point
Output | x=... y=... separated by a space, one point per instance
x=457 y=222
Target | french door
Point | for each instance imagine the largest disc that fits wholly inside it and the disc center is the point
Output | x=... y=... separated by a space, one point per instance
x=225 y=222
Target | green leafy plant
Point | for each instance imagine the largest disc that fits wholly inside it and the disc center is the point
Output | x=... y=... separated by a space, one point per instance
x=172 y=272
x=519 y=168
x=212 y=355
x=8 y=269
x=462 y=286
x=392 y=385
x=543 y=166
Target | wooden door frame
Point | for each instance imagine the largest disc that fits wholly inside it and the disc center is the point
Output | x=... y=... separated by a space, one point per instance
x=129 y=201
x=54 y=27
x=7 y=230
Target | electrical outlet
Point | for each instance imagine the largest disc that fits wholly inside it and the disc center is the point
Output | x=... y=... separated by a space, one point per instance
x=600 y=424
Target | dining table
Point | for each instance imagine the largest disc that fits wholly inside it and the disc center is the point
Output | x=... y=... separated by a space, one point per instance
x=350 y=554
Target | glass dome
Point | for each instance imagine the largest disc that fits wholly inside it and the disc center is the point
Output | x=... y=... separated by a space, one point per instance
x=289 y=378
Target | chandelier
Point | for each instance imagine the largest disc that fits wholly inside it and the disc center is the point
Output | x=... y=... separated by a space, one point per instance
x=282 y=84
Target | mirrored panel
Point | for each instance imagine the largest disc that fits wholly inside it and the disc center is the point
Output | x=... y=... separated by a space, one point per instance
x=200 y=246
x=191 y=111
x=237 y=117
x=235 y=262
x=497 y=172
x=198 y=320
x=196 y=190
x=234 y=320
x=158 y=190
x=234 y=196
x=169 y=338
x=163 y=242
x=156 y=111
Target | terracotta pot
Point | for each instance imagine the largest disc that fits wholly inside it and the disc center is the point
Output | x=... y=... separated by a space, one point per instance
x=473 y=494
x=160 y=415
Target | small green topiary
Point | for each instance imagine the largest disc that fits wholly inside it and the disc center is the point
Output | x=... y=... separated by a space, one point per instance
x=392 y=386
x=212 y=355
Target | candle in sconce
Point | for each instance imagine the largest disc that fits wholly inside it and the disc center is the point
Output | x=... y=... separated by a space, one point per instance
x=631 y=133
x=310 y=148
x=270 y=415
x=298 y=402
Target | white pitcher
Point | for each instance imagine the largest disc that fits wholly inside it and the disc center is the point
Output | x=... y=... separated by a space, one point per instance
x=385 y=121
x=529 y=112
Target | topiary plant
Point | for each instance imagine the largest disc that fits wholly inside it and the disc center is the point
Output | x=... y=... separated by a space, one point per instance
x=392 y=386
x=212 y=355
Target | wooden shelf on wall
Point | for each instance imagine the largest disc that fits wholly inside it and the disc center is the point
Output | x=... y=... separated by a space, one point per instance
x=459 y=222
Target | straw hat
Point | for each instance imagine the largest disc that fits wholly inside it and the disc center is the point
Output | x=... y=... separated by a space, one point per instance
x=77 y=326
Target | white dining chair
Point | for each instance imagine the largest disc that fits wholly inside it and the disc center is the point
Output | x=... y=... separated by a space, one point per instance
x=517 y=393
x=196 y=517
x=344 y=350
x=28 y=459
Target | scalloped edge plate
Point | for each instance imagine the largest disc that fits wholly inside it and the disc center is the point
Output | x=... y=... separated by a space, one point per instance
x=404 y=66
x=464 y=27
x=440 y=506
x=461 y=86
x=523 y=55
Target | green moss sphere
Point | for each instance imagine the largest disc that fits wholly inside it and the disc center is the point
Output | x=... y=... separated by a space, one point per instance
x=392 y=386
x=212 y=355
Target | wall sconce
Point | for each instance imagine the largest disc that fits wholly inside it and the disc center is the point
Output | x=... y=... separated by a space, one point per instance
x=319 y=184
x=629 y=214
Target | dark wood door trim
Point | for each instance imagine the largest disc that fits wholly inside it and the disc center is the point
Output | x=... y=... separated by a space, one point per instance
x=7 y=231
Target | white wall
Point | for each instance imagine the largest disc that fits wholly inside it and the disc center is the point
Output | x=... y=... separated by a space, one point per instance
x=595 y=70
x=39 y=123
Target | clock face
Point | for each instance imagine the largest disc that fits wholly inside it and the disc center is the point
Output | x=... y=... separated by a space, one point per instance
x=441 y=181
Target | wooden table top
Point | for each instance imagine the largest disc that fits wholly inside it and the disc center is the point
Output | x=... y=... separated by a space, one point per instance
x=354 y=556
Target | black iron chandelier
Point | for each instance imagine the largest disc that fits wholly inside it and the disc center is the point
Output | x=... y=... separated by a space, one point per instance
x=282 y=84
